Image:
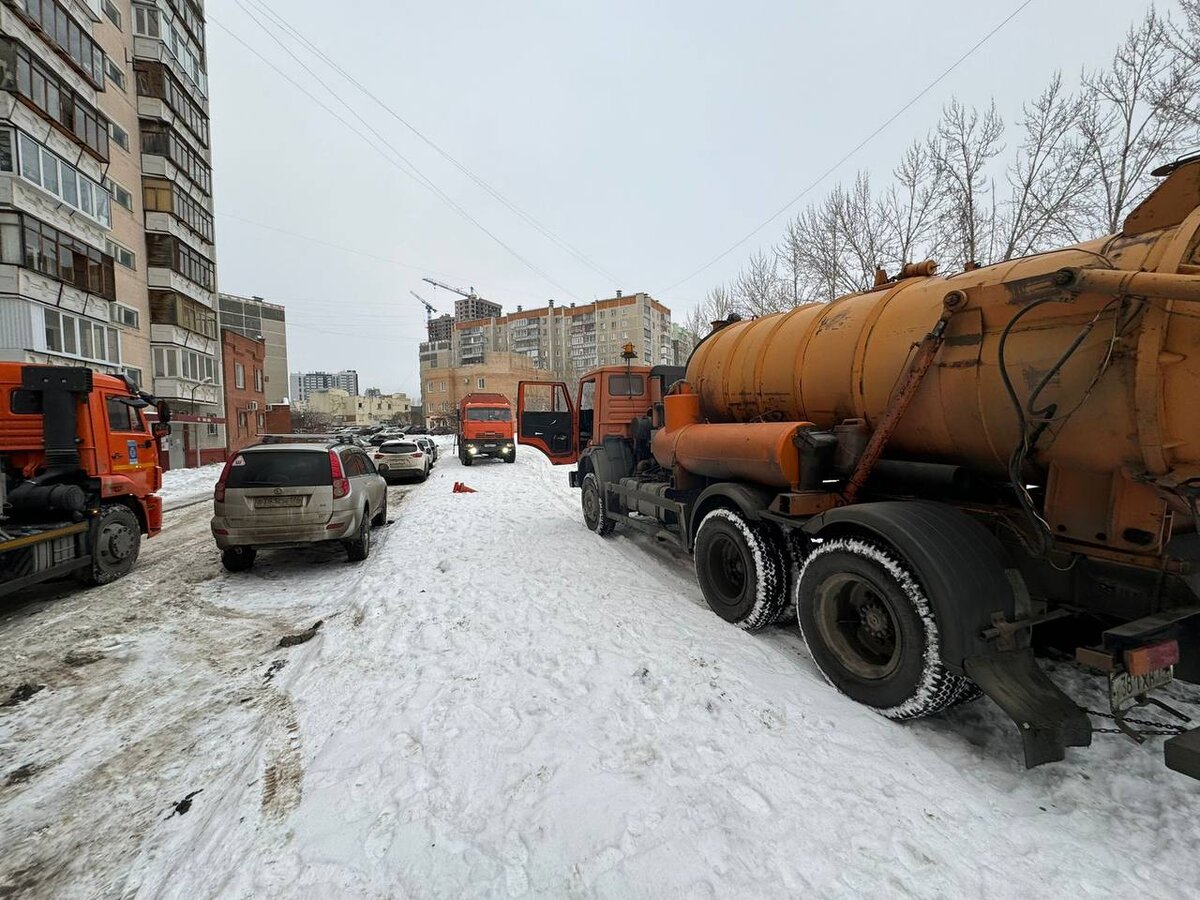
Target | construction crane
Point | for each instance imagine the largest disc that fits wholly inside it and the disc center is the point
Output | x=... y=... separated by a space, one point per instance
x=430 y=309
x=470 y=295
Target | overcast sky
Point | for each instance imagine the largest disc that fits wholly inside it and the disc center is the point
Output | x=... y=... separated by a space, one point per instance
x=647 y=136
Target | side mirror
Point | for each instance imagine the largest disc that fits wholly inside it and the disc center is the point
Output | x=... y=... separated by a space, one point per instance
x=160 y=429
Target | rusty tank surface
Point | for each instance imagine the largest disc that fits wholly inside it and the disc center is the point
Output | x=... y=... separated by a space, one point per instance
x=1100 y=344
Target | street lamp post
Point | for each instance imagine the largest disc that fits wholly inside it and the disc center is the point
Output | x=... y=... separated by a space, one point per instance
x=198 y=384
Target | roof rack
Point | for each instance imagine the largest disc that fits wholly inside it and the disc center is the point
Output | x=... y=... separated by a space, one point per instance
x=299 y=439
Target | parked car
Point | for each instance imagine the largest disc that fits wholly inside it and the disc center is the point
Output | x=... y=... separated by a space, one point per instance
x=293 y=490
x=402 y=459
x=429 y=447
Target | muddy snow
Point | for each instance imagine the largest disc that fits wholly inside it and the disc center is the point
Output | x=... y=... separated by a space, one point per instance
x=499 y=703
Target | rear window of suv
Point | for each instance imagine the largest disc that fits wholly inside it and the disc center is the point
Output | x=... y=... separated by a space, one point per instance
x=399 y=447
x=280 y=468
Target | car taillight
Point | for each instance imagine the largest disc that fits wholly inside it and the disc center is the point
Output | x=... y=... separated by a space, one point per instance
x=341 y=484
x=417 y=455
x=219 y=490
x=379 y=456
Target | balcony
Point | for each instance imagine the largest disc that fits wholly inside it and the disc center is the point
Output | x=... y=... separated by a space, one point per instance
x=166 y=223
x=181 y=389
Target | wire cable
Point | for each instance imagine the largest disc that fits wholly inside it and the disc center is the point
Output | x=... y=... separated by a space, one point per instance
x=266 y=9
x=400 y=162
x=870 y=137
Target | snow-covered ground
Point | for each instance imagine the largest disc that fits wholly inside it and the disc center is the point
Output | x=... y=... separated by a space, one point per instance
x=183 y=486
x=499 y=703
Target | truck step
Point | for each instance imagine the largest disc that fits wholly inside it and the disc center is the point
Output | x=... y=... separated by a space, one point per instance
x=1183 y=753
x=1049 y=720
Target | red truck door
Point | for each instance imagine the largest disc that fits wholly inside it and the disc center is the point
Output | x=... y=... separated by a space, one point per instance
x=546 y=420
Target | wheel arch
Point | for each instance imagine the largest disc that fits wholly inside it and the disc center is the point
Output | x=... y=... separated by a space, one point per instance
x=959 y=563
x=750 y=501
x=134 y=506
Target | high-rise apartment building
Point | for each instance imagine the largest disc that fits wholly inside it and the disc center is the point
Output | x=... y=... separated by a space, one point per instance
x=72 y=277
x=306 y=383
x=473 y=307
x=106 y=256
x=254 y=318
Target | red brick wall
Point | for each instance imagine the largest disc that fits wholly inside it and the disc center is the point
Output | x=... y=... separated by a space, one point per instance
x=279 y=420
x=241 y=417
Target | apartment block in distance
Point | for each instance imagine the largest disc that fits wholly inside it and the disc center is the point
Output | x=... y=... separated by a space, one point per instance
x=562 y=342
x=304 y=384
x=72 y=271
x=254 y=318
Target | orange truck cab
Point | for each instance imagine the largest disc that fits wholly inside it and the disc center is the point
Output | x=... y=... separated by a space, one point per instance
x=79 y=472
x=485 y=428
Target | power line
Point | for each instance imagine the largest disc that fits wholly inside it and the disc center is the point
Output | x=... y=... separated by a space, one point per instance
x=415 y=174
x=925 y=90
x=266 y=9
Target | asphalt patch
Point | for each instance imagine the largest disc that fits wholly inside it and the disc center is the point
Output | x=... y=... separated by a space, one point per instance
x=22 y=692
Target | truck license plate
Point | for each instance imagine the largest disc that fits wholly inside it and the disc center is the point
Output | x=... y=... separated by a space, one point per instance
x=278 y=501
x=1123 y=687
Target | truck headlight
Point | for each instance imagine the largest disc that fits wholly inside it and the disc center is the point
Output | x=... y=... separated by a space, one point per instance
x=472 y=449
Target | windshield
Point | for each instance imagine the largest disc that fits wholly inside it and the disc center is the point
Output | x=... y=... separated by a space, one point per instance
x=279 y=468
x=489 y=414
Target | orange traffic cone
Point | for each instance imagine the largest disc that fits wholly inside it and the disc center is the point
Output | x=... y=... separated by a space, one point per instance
x=460 y=488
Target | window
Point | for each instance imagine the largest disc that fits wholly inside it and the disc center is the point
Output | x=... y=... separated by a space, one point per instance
x=626 y=385
x=59 y=28
x=8 y=152
x=489 y=414
x=119 y=135
x=114 y=14
x=239 y=375
x=119 y=194
x=134 y=374
x=169 y=308
x=479 y=383
x=161 y=140
x=243 y=422
x=123 y=315
x=159 y=195
x=121 y=254
x=258 y=380
x=212 y=430
x=155 y=80
x=145 y=21
x=167 y=251
x=122 y=416
x=53 y=174
x=32 y=244
x=75 y=336
x=24 y=73
x=116 y=75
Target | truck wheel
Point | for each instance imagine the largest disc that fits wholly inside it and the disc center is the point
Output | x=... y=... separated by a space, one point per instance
x=118 y=540
x=466 y=459
x=871 y=630
x=512 y=456
x=741 y=570
x=238 y=559
x=358 y=548
x=594 y=508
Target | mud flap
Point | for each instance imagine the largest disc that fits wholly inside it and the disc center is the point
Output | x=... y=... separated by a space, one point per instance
x=1049 y=721
x=1183 y=753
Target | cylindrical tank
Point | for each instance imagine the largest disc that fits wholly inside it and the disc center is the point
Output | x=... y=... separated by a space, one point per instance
x=826 y=363
x=761 y=452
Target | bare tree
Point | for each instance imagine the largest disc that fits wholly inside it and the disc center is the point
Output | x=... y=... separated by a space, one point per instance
x=1047 y=178
x=792 y=266
x=757 y=290
x=864 y=234
x=1184 y=39
x=1133 y=119
x=909 y=207
x=966 y=143
x=717 y=304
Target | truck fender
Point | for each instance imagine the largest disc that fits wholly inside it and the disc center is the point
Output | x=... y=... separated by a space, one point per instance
x=750 y=501
x=959 y=562
x=611 y=461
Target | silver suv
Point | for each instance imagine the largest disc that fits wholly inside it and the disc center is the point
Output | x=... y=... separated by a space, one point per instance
x=293 y=490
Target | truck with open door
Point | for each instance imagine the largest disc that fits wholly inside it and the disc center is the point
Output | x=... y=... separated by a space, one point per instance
x=936 y=473
x=79 y=473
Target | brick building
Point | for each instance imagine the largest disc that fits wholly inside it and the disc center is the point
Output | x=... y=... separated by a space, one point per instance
x=243 y=361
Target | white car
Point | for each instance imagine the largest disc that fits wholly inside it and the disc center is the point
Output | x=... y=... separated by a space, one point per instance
x=402 y=459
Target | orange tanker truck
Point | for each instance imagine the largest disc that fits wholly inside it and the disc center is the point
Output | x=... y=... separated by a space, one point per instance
x=78 y=474
x=485 y=428
x=938 y=473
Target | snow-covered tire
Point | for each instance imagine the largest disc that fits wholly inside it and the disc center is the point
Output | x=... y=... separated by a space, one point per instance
x=741 y=570
x=358 y=548
x=595 y=509
x=871 y=630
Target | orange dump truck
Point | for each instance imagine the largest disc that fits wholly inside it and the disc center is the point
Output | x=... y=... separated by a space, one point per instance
x=78 y=474
x=937 y=474
x=485 y=428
